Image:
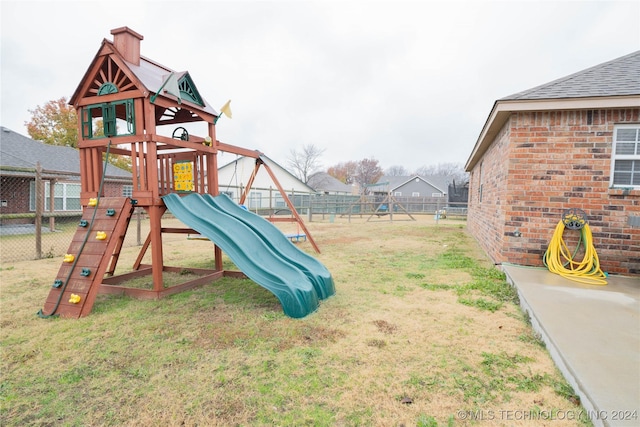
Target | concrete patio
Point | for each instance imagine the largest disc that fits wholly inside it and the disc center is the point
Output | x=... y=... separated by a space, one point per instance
x=593 y=334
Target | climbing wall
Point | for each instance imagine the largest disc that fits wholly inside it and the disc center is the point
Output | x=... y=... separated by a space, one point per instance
x=93 y=252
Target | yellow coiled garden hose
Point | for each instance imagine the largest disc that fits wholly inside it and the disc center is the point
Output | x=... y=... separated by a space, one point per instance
x=558 y=259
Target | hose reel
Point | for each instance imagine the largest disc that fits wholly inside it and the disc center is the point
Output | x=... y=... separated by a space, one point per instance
x=560 y=260
x=574 y=219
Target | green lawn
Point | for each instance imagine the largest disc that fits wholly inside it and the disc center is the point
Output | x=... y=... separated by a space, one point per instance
x=423 y=331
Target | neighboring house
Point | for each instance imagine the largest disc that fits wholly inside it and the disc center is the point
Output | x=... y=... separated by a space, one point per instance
x=411 y=186
x=234 y=176
x=60 y=173
x=323 y=183
x=413 y=193
x=573 y=143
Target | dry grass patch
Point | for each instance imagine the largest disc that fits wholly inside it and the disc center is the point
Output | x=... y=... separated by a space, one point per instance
x=422 y=327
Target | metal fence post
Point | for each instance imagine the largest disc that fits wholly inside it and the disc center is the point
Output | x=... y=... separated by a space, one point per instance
x=52 y=202
x=39 y=209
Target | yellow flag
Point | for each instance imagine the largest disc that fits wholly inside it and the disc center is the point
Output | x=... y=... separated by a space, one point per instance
x=226 y=109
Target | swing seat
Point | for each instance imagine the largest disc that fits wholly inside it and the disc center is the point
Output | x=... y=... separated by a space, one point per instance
x=295 y=237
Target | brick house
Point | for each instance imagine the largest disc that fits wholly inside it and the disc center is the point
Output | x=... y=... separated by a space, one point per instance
x=59 y=173
x=570 y=143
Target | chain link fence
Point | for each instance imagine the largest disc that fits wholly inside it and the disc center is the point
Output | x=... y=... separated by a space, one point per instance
x=317 y=207
x=22 y=242
x=378 y=206
x=40 y=211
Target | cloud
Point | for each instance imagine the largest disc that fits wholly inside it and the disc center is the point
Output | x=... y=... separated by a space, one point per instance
x=407 y=83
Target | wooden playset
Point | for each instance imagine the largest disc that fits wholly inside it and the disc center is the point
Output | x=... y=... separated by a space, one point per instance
x=122 y=103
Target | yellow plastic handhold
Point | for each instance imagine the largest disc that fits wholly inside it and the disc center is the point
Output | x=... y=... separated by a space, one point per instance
x=68 y=258
x=93 y=201
x=74 y=299
x=101 y=235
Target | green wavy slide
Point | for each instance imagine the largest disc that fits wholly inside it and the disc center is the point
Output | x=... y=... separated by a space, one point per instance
x=278 y=242
x=298 y=280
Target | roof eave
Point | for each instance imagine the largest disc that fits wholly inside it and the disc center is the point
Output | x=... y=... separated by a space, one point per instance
x=502 y=110
x=76 y=93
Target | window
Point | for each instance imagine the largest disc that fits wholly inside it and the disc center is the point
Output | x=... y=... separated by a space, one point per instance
x=255 y=199
x=279 y=201
x=127 y=191
x=117 y=118
x=625 y=162
x=397 y=193
x=415 y=194
x=436 y=194
x=480 y=183
x=66 y=196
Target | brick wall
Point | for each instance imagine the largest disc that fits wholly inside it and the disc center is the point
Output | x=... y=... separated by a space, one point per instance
x=542 y=163
x=487 y=195
x=14 y=192
x=112 y=189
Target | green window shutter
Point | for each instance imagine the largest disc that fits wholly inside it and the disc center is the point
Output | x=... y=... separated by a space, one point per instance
x=87 y=131
x=131 y=117
x=109 y=119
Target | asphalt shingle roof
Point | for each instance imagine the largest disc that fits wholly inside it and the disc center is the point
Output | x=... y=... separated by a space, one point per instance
x=19 y=151
x=618 y=77
x=322 y=181
x=389 y=182
x=152 y=75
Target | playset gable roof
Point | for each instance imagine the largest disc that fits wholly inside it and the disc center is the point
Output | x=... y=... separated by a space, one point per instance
x=143 y=74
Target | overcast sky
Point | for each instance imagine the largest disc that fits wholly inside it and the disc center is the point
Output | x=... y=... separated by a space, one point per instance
x=406 y=83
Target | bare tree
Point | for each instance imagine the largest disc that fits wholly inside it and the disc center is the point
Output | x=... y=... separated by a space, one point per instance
x=344 y=172
x=453 y=171
x=304 y=162
x=368 y=172
x=364 y=172
x=396 y=171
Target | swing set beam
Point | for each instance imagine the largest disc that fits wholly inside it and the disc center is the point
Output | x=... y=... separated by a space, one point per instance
x=296 y=217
